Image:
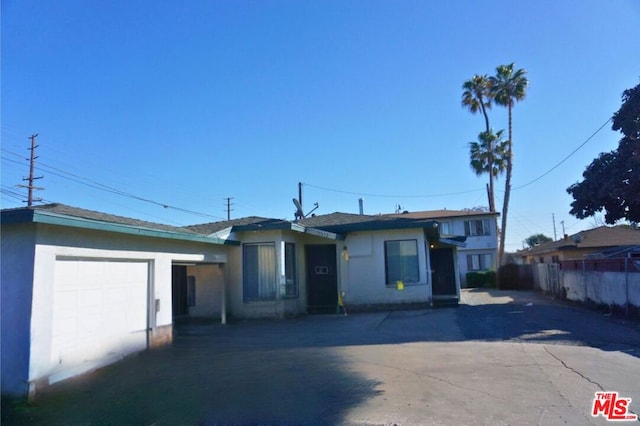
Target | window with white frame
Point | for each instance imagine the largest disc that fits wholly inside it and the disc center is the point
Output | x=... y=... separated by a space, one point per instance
x=477 y=227
x=479 y=262
x=444 y=228
x=259 y=271
x=401 y=261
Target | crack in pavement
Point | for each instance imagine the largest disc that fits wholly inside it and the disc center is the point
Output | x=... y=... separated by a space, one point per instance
x=546 y=349
x=523 y=348
x=430 y=376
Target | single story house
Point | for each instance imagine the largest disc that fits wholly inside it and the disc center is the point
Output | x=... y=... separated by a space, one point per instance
x=81 y=289
x=285 y=268
x=603 y=240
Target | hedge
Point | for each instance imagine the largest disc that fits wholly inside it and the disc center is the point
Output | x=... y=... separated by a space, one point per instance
x=481 y=279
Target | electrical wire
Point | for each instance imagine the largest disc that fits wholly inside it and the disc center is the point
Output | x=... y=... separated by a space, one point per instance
x=43 y=167
x=365 y=194
x=470 y=191
x=565 y=158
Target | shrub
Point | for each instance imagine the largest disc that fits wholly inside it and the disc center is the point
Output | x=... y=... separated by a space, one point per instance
x=485 y=279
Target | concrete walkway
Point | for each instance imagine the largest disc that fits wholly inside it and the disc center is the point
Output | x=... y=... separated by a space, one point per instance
x=500 y=358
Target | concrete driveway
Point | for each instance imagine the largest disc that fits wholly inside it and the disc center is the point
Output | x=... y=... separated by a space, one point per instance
x=501 y=357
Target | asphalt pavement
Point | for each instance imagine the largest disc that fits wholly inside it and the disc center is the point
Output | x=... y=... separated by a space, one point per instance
x=500 y=358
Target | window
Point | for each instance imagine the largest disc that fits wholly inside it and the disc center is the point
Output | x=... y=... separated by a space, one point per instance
x=479 y=262
x=444 y=228
x=259 y=271
x=477 y=227
x=555 y=259
x=401 y=261
x=290 y=273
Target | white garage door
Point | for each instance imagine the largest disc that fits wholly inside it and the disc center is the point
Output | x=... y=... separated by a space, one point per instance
x=99 y=313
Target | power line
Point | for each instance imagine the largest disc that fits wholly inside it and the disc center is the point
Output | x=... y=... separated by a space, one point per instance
x=469 y=191
x=99 y=186
x=565 y=158
x=390 y=195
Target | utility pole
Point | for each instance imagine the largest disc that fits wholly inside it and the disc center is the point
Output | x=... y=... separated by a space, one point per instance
x=31 y=177
x=229 y=209
x=553 y=217
x=563 y=231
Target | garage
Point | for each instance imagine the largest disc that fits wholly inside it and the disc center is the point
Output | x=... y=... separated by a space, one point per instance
x=100 y=313
x=82 y=289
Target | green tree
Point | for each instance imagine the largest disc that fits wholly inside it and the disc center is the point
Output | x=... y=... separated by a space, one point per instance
x=476 y=96
x=507 y=87
x=488 y=155
x=537 y=239
x=611 y=183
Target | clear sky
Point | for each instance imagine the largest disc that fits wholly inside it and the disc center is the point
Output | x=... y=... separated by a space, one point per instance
x=186 y=103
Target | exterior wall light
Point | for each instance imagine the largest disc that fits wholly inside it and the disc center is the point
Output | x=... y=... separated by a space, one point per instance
x=345 y=254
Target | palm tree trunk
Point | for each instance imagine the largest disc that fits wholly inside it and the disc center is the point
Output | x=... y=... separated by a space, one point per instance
x=492 y=202
x=486 y=116
x=507 y=191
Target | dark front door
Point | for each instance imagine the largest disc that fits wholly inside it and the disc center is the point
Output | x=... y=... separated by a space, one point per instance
x=443 y=272
x=322 y=278
x=179 y=290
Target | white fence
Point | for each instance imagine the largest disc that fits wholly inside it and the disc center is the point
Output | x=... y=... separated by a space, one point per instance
x=580 y=282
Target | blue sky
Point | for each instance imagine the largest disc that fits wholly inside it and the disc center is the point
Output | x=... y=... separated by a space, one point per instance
x=186 y=103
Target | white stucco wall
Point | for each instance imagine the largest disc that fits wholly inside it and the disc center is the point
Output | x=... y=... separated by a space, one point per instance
x=609 y=288
x=16 y=267
x=365 y=282
x=209 y=292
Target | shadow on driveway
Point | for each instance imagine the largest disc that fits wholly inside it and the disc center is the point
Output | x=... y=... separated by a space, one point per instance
x=198 y=383
x=291 y=372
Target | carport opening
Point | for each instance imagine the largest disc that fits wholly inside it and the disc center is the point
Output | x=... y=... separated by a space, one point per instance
x=197 y=291
x=180 y=294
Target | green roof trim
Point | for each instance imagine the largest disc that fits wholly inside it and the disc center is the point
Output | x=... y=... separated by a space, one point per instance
x=50 y=218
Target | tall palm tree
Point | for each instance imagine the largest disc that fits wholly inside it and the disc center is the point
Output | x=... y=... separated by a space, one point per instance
x=476 y=96
x=488 y=155
x=507 y=87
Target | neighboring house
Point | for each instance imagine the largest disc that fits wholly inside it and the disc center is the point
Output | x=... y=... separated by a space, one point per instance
x=604 y=241
x=82 y=289
x=481 y=250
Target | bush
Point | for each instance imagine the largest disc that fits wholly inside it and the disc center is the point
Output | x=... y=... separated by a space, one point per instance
x=486 y=279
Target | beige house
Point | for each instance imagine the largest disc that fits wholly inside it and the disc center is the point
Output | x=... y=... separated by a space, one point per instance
x=582 y=244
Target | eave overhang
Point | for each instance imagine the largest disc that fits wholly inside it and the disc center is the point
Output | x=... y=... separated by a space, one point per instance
x=49 y=218
x=324 y=234
x=453 y=240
